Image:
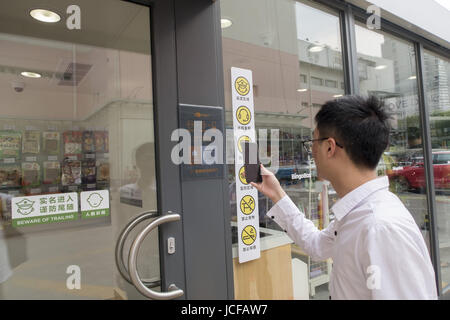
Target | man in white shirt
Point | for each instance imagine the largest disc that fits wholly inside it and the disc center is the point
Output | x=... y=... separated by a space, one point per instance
x=378 y=251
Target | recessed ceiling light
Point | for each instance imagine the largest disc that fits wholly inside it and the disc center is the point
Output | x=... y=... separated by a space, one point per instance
x=412 y=78
x=225 y=23
x=316 y=49
x=381 y=67
x=29 y=74
x=45 y=15
x=302 y=90
x=337 y=96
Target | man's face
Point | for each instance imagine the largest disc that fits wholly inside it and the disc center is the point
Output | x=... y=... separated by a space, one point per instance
x=317 y=153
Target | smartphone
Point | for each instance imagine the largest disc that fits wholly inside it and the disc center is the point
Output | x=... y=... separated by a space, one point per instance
x=252 y=168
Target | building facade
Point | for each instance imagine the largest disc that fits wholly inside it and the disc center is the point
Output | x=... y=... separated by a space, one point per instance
x=101 y=101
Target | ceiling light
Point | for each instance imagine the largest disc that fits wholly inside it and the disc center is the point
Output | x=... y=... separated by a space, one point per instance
x=45 y=15
x=302 y=90
x=316 y=49
x=29 y=74
x=225 y=23
x=412 y=78
x=381 y=67
x=337 y=96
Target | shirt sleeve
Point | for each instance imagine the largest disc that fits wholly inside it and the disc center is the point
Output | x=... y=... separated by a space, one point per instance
x=315 y=243
x=397 y=267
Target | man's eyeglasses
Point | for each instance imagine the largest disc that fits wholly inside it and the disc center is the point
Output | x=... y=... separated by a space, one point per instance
x=307 y=144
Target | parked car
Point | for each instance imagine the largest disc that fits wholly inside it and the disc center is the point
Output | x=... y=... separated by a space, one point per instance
x=412 y=177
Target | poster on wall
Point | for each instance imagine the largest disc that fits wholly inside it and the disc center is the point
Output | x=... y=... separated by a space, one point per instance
x=246 y=195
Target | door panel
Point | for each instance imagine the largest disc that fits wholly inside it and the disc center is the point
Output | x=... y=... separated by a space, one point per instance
x=84 y=128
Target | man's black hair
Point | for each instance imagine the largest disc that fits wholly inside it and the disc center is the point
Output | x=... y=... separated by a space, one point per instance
x=359 y=124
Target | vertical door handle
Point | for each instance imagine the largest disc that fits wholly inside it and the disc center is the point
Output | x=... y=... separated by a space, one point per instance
x=121 y=242
x=173 y=292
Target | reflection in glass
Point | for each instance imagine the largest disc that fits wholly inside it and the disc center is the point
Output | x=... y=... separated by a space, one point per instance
x=84 y=124
x=386 y=66
x=437 y=94
x=294 y=51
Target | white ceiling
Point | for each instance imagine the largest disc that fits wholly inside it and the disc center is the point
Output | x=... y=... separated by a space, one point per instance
x=111 y=30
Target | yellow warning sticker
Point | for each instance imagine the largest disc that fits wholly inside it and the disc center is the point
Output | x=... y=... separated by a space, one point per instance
x=248 y=235
x=242 y=86
x=241 y=140
x=247 y=204
x=242 y=175
x=243 y=115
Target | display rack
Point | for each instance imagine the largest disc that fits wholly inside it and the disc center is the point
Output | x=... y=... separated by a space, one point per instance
x=49 y=157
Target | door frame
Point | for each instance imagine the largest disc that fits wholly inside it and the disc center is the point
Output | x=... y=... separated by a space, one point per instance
x=186 y=48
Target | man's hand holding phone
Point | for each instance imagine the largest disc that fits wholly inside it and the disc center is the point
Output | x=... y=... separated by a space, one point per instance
x=270 y=186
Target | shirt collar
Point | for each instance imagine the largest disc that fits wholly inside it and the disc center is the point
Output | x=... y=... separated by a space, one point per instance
x=354 y=197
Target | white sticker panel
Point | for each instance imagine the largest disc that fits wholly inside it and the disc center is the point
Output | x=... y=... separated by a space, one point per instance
x=246 y=196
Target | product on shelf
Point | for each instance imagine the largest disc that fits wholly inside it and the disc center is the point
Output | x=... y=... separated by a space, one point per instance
x=10 y=176
x=10 y=144
x=5 y=206
x=71 y=173
x=51 y=142
x=101 y=141
x=88 y=141
x=30 y=174
x=31 y=142
x=102 y=173
x=72 y=143
x=88 y=172
x=51 y=172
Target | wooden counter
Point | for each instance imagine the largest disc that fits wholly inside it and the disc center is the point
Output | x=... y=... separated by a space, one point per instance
x=266 y=278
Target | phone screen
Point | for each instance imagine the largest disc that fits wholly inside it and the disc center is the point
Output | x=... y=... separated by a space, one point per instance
x=251 y=162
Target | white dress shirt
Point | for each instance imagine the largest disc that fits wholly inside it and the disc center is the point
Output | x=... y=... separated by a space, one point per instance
x=378 y=251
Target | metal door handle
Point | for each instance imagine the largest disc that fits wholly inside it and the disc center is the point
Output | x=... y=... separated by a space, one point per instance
x=173 y=292
x=121 y=242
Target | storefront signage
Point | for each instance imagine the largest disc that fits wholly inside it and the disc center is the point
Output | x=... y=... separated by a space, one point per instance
x=198 y=120
x=43 y=209
x=94 y=204
x=246 y=196
x=49 y=208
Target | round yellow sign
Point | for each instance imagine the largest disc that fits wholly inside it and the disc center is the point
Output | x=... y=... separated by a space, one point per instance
x=247 y=205
x=242 y=86
x=243 y=115
x=241 y=141
x=242 y=175
x=248 y=235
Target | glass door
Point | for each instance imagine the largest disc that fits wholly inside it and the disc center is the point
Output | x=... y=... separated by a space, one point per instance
x=77 y=150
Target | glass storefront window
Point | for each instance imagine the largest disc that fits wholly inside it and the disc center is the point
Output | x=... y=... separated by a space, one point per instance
x=294 y=52
x=387 y=70
x=76 y=148
x=437 y=94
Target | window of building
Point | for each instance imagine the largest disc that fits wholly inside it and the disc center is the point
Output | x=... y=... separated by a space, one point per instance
x=303 y=78
x=284 y=44
x=331 y=83
x=316 y=81
x=437 y=94
x=389 y=69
